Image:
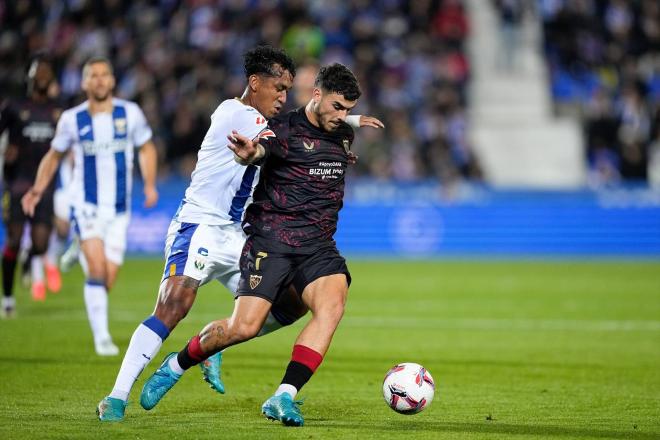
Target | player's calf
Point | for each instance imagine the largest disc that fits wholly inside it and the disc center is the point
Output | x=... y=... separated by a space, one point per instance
x=175 y=299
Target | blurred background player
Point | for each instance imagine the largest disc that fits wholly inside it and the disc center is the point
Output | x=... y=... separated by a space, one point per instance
x=58 y=253
x=103 y=132
x=31 y=123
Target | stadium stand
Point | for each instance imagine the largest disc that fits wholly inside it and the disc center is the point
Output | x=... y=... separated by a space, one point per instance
x=604 y=63
x=590 y=85
x=178 y=59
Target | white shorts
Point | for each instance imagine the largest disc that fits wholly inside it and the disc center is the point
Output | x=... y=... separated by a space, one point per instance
x=62 y=204
x=204 y=252
x=110 y=228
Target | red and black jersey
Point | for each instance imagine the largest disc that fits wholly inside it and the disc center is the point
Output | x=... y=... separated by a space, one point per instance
x=31 y=127
x=301 y=188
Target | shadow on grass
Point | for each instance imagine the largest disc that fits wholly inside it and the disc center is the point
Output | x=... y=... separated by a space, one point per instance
x=541 y=431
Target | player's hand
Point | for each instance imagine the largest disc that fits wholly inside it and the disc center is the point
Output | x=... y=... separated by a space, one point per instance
x=245 y=149
x=150 y=196
x=370 y=121
x=352 y=158
x=30 y=201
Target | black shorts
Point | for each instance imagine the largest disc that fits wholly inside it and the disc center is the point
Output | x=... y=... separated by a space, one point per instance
x=266 y=274
x=12 y=211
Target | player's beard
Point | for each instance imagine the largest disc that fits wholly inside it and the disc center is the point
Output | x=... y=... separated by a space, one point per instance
x=323 y=120
x=41 y=87
x=38 y=88
x=331 y=125
x=100 y=97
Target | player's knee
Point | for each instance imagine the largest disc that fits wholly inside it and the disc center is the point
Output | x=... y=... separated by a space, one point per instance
x=332 y=308
x=39 y=248
x=97 y=272
x=62 y=230
x=13 y=244
x=242 y=330
x=96 y=266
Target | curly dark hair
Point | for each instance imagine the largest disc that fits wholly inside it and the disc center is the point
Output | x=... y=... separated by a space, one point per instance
x=337 y=78
x=262 y=60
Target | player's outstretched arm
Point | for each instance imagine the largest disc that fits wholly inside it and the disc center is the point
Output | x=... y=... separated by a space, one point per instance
x=357 y=121
x=246 y=151
x=370 y=121
x=45 y=172
x=148 y=160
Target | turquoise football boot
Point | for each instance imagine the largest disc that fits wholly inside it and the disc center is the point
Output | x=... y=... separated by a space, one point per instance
x=211 y=372
x=111 y=409
x=284 y=409
x=158 y=384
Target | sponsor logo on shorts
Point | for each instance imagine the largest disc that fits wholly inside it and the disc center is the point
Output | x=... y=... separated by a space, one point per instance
x=254 y=281
x=203 y=251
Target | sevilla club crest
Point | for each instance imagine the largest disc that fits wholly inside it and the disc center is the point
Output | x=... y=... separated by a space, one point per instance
x=254 y=281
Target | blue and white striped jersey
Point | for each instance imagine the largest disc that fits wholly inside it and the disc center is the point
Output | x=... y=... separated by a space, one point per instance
x=220 y=188
x=103 y=146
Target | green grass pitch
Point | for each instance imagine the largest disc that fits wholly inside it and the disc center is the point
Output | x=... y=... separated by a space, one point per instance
x=550 y=349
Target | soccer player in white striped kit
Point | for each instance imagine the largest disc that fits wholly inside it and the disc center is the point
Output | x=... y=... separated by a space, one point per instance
x=103 y=132
x=205 y=238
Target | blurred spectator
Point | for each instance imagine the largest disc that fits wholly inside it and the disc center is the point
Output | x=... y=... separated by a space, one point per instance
x=654 y=153
x=180 y=58
x=604 y=60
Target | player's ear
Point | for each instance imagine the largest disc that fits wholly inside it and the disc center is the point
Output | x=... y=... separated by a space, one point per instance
x=317 y=94
x=253 y=83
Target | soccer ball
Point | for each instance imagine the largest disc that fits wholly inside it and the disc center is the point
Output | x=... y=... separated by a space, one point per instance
x=408 y=388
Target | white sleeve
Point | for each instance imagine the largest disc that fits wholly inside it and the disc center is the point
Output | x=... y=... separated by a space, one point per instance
x=248 y=123
x=65 y=134
x=141 y=130
x=216 y=136
x=226 y=118
x=353 y=120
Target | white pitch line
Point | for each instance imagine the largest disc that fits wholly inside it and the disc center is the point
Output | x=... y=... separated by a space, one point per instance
x=505 y=324
x=502 y=324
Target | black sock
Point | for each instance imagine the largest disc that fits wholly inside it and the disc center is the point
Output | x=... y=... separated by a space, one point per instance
x=297 y=374
x=8 y=269
x=191 y=354
x=185 y=361
x=26 y=268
